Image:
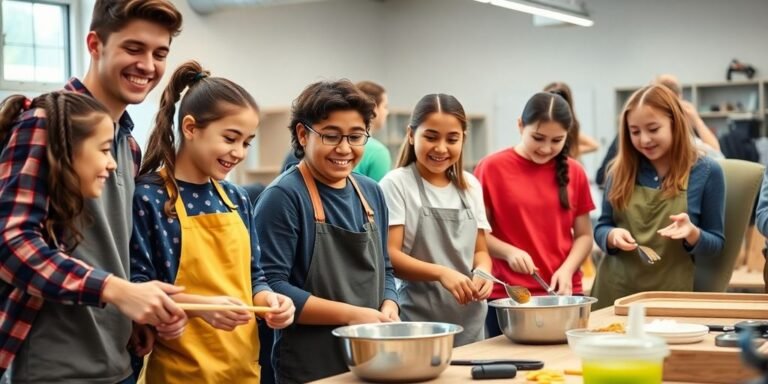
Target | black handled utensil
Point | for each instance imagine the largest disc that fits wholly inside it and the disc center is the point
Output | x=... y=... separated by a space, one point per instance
x=522 y=365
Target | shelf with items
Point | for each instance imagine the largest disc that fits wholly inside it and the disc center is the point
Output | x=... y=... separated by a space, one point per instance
x=268 y=149
x=719 y=103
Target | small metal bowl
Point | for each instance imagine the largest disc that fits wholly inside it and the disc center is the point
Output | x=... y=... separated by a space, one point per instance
x=398 y=352
x=544 y=319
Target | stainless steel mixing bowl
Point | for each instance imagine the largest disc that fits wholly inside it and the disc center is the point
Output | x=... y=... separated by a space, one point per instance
x=398 y=352
x=544 y=319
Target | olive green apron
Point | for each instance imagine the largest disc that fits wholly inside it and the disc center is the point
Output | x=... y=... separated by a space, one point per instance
x=625 y=273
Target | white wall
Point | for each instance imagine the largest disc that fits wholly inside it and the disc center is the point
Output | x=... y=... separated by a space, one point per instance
x=492 y=59
x=484 y=54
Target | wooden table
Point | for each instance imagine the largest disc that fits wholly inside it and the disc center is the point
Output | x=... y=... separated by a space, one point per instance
x=557 y=357
x=741 y=280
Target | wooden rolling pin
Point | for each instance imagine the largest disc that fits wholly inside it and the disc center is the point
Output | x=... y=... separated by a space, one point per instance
x=223 y=307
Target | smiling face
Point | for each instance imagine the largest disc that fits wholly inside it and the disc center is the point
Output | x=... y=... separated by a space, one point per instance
x=650 y=131
x=213 y=151
x=92 y=158
x=542 y=141
x=331 y=164
x=437 y=142
x=130 y=63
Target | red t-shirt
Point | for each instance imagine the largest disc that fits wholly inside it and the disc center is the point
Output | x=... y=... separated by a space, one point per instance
x=521 y=198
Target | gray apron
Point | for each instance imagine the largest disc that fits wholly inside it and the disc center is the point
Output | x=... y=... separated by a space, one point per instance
x=624 y=273
x=347 y=267
x=445 y=237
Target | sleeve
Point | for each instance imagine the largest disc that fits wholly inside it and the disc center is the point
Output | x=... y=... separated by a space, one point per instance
x=136 y=155
x=380 y=163
x=142 y=259
x=258 y=279
x=390 y=289
x=26 y=260
x=277 y=225
x=394 y=197
x=478 y=205
x=761 y=217
x=712 y=222
x=605 y=222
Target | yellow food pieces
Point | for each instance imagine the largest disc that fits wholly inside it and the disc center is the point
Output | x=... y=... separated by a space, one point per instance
x=613 y=327
x=545 y=376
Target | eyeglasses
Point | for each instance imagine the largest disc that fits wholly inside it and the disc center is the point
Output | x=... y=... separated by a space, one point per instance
x=354 y=139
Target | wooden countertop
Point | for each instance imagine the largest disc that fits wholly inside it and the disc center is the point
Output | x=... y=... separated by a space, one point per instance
x=556 y=357
x=742 y=279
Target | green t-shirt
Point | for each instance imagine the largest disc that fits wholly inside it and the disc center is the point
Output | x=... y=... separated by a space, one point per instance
x=376 y=161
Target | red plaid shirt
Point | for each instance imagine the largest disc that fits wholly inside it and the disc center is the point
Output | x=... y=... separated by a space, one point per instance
x=31 y=270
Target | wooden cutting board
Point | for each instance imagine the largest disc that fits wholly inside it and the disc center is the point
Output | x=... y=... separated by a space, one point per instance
x=706 y=363
x=698 y=304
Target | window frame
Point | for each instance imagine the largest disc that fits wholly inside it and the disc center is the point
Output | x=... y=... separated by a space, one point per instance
x=72 y=27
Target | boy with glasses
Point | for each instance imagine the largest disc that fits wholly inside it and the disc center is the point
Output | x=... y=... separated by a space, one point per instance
x=323 y=233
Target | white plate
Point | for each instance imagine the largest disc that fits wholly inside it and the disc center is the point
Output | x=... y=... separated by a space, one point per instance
x=684 y=339
x=672 y=328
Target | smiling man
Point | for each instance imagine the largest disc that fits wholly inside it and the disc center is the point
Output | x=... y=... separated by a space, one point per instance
x=55 y=326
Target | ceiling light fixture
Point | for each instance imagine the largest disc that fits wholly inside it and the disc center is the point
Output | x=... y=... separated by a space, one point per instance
x=541 y=8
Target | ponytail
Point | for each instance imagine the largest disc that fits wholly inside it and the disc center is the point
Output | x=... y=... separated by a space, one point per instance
x=10 y=110
x=161 y=148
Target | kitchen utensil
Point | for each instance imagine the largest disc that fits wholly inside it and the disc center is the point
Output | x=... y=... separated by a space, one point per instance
x=544 y=319
x=500 y=371
x=522 y=365
x=520 y=295
x=648 y=255
x=223 y=307
x=404 y=351
x=543 y=284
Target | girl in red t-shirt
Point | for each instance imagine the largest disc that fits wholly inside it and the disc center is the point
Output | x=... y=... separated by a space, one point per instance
x=538 y=202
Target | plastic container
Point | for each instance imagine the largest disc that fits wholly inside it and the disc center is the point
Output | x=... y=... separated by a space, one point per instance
x=634 y=358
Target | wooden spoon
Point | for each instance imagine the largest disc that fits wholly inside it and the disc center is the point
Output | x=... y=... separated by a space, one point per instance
x=223 y=307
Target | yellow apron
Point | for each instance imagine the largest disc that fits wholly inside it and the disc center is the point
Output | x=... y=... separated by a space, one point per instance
x=215 y=261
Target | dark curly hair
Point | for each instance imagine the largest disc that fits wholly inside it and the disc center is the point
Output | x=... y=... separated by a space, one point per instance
x=317 y=101
x=70 y=119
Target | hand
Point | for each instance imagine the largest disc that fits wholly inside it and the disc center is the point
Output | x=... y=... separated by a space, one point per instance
x=562 y=282
x=390 y=309
x=521 y=262
x=681 y=228
x=224 y=320
x=142 y=339
x=458 y=284
x=144 y=303
x=362 y=315
x=483 y=287
x=282 y=316
x=172 y=329
x=620 y=238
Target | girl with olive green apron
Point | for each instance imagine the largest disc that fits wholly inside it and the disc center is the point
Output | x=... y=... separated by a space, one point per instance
x=625 y=273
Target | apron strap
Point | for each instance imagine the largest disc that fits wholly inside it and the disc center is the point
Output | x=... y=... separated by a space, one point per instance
x=309 y=182
x=181 y=211
x=223 y=195
x=423 y=191
x=366 y=206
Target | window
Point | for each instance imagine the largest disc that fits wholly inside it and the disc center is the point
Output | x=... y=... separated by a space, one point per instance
x=36 y=41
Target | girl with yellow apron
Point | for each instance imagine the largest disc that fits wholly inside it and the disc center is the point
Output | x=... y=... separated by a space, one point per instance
x=196 y=232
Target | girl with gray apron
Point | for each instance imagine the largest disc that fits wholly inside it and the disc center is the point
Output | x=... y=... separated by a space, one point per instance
x=624 y=273
x=445 y=237
x=346 y=267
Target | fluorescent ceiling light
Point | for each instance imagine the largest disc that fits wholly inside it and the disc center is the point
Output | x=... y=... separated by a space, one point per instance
x=545 y=10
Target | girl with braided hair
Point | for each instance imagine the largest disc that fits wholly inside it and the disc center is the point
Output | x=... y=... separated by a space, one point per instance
x=192 y=228
x=80 y=135
x=538 y=202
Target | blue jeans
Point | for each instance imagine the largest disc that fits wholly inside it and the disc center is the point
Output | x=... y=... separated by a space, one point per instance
x=492 y=323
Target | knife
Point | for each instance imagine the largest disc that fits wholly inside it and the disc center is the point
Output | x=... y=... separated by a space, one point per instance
x=543 y=284
x=522 y=365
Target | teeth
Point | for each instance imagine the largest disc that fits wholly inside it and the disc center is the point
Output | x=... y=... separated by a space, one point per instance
x=340 y=162
x=138 y=80
x=226 y=164
x=438 y=158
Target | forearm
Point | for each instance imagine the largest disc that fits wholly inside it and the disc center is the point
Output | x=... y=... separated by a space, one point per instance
x=409 y=268
x=319 y=311
x=497 y=248
x=582 y=246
